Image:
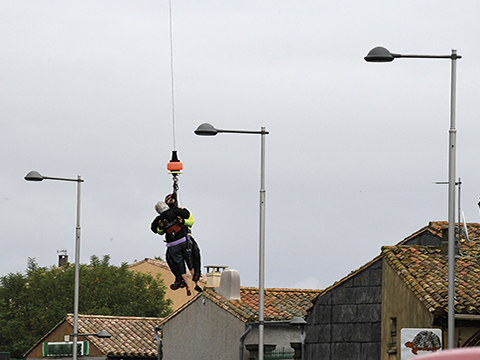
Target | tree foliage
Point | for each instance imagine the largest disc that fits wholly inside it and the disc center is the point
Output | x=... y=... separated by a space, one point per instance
x=31 y=304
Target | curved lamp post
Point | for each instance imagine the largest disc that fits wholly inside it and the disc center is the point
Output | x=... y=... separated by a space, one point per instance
x=381 y=54
x=36 y=176
x=206 y=129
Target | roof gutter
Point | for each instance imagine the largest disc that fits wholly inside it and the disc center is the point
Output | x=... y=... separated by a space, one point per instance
x=280 y=322
x=157 y=329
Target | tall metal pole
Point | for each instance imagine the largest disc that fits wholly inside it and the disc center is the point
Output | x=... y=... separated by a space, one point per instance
x=206 y=129
x=261 y=281
x=381 y=54
x=77 y=272
x=451 y=206
x=36 y=176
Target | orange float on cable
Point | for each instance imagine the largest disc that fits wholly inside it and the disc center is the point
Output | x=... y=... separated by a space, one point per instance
x=175 y=166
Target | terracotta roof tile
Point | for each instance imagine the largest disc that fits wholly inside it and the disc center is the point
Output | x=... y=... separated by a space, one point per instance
x=425 y=271
x=280 y=304
x=131 y=336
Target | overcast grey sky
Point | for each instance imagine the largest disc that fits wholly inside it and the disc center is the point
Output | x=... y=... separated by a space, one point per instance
x=352 y=156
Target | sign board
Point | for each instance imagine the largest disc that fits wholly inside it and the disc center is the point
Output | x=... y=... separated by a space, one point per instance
x=64 y=348
x=416 y=342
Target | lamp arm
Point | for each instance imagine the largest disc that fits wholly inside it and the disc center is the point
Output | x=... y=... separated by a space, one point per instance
x=452 y=56
x=261 y=132
x=62 y=179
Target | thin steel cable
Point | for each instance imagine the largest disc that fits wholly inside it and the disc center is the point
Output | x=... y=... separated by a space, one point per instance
x=171 y=73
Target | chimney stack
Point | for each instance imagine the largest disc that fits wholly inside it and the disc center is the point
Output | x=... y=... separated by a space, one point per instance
x=229 y=287
x=214 y=273
x=62 y=257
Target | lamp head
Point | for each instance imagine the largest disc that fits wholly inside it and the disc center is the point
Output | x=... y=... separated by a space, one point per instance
x=34 y=176
x=297 y=321
x=206 y=129
x=103 y=334
x=380 y=54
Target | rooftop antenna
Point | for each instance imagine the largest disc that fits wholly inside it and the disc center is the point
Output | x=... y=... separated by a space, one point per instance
x=459 y=210
x=461 y=221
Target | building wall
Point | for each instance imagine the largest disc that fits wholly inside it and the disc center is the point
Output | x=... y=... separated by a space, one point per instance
x=425 y=239
x=202 y=331
x=400 y=309
x=345 y=323
x=279 y=334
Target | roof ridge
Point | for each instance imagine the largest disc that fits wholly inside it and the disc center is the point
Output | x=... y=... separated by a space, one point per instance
x=251 y=288
x=114 y=317
x=158 y=262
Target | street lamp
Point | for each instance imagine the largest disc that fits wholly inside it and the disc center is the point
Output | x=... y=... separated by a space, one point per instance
x=300 y=323
x=103 y=334
x=208 y=130
x=380 y=54
x=36 y=176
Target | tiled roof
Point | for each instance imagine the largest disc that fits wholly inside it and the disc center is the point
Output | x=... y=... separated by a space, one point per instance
x=434 y=228
x=280 y=304
x=425 y=271
x=131 y=336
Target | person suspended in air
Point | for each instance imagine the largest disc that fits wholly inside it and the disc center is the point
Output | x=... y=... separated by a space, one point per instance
x=194 y=264
x=171 y=223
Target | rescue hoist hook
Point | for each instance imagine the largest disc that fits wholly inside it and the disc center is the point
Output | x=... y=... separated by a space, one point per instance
x=175 y=168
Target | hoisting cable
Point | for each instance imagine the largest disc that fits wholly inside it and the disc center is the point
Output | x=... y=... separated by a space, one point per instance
x=172 y=83
x=175 y=166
